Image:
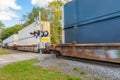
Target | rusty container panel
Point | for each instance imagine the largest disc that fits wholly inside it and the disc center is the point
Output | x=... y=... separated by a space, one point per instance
x=29 y=48
x=100 y=52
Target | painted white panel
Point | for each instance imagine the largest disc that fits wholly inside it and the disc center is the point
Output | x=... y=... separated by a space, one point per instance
x=12 y=40
x=25 y=38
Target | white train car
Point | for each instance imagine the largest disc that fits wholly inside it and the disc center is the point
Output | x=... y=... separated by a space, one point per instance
x=27 y=40
x=11 y=41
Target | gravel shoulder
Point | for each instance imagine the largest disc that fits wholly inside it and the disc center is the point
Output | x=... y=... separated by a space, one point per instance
x=86 y=70
x=80 y=69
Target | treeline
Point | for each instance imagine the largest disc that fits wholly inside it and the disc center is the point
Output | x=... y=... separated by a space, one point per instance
x=10 y=31
x=52 y=13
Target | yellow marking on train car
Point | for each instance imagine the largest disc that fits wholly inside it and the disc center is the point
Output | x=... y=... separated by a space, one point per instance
x=44 y=39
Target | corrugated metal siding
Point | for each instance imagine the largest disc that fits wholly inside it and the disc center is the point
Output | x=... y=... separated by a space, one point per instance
x=70 y=35
x=89 y=9
x=70 y=13
x=24 y=35
x=107 y=31
x=28 y=41
x=12 y=40
x=85 y=11
x=98 y=21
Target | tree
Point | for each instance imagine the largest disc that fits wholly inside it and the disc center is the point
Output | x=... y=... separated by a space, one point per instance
x=33 y=14
x=55 y=17
x=10 y=31
x=52 y=13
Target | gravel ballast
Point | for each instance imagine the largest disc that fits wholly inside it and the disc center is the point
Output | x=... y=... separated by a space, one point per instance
x=80 y=69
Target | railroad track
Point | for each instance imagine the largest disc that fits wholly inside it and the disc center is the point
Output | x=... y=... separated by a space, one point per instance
x=94 y=62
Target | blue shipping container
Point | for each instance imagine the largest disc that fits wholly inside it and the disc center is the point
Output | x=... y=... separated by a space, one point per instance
x=79 y=12
x=106 y=31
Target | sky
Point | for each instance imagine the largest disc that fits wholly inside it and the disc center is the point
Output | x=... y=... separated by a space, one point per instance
x=12 y=10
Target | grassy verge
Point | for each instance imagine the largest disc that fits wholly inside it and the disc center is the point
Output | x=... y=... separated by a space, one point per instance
x=79 y=71
x=3 y=51
x=26 y=71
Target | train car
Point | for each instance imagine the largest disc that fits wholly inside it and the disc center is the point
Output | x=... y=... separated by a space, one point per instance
x=95 y=21
x=11 y=42
x=109 y=52
x=28 y=42
x=94 y=27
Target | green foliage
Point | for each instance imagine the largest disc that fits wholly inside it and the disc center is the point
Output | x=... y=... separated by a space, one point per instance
x=26 y=71
x=55 y=12
x=79 y=71
x=52 y=13
x=34 y=13
x=55 y=17
x=96 y=78
x=10 y=30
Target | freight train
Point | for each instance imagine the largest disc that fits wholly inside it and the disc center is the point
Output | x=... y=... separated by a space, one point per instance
x=90 y=31
x=27 y=39
x=94 y=25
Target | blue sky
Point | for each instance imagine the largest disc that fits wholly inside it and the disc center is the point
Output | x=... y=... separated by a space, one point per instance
x=26 y=8
x=12 y=10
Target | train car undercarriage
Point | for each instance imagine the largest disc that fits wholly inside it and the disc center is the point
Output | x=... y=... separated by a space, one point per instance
x=109 y=52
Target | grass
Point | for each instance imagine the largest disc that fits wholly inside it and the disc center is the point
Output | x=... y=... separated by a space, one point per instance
x=26 y=71
x=85 y=76
x=3 y=51
x=96 y=78
x=79 y=71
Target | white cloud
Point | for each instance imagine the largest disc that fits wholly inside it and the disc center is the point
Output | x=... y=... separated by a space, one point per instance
x=41 y=3
x=7 y=8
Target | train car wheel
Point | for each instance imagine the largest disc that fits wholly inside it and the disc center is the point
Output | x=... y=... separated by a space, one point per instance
x=58 y=53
